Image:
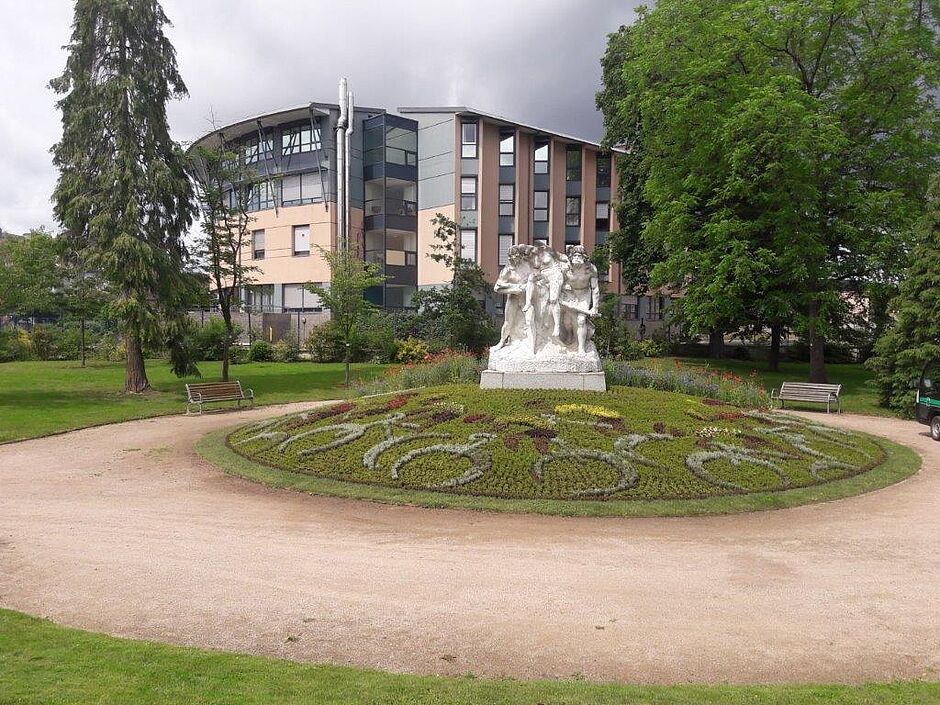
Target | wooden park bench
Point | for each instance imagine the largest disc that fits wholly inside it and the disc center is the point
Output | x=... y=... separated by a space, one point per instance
x=208 y=392
x=807 y=391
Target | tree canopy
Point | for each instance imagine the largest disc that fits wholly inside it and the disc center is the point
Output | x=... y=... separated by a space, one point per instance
x=123 y=197
x=778 y=153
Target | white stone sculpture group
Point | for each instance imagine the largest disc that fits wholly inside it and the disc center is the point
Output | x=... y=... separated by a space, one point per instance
x=550 y=301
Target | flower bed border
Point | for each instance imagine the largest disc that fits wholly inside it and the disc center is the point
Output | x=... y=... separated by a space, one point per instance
x=900 y=463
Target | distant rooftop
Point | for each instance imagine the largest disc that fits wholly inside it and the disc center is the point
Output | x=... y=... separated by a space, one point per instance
x=465 y=111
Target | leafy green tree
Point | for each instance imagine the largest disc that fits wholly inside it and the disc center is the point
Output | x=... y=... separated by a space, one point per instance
x=31 y=275
x=225 y=224
x=784 y=150
x=123 y=196
x=344 y=296
x=458 y=305
x=913 y=338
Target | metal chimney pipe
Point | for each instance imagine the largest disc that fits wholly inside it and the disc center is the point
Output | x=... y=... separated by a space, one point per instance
x=341 y=165
x=351 y=120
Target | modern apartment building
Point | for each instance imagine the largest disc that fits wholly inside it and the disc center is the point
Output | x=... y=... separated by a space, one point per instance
x=502 y=181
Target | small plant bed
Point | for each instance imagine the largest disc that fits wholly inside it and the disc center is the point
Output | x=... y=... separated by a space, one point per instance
x=626 y=445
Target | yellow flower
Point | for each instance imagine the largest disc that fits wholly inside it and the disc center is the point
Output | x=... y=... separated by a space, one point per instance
x=590 y=409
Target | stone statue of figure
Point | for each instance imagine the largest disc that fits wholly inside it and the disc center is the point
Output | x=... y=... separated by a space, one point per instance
x=550 y=301
x=581 y=294
x=514 y=281
x=550 y=275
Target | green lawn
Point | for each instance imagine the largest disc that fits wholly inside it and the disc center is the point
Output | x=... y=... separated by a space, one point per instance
x=44 y=664
x=859 y=395
x=39 y=398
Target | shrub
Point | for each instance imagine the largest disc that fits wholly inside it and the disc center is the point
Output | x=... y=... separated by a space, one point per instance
x=323 y=343
x=286 y=350
x=209 y=339
x=110 y=348
x=411 y=350
x=260 y=351
x=447 y=367
x=238 y=355
x=13 y=345
x=701 y=382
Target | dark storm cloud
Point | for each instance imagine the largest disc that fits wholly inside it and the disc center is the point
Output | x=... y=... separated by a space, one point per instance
x=536 y=61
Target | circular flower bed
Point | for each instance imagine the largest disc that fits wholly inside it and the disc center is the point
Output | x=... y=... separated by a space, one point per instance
x=626 y=444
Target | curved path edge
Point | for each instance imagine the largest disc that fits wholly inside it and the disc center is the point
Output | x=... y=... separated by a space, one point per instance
x=123 y=529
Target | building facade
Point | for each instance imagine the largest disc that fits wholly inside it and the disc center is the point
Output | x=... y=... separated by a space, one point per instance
x=503 y=182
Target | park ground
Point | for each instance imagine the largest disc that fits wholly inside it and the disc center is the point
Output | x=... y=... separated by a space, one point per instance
x=39 y=398
x=834 y=592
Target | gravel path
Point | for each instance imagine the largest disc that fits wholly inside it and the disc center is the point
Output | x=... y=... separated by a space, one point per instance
x=123 y=529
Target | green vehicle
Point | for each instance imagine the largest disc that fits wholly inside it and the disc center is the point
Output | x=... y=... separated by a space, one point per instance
x=928 y=398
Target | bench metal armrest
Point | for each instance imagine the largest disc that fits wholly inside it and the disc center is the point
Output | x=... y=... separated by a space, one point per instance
x=248 y=393
x=195 y=397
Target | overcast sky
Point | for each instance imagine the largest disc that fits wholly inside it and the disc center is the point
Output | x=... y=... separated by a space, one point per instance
x=536 y=61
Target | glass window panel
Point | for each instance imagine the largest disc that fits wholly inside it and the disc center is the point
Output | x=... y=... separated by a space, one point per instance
x=541 y=215
x=507 y=209
x=541 y=158
x=290 y=189
x=573 y=210
x=375 y=240
x=573 y=164
x=541 y=199
x=507 y=149
x=507 y=192
x=603 y=171
x=602 y=209
x=468 y=203
x=396 y=258
x=468 y=185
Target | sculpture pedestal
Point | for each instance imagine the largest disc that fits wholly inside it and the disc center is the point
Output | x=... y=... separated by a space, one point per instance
x=580 y=381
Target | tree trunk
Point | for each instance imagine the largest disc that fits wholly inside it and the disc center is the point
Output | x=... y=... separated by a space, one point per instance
x=135 y=376
x=716 y=344
x=817 y=347
x=81 y=344
x=229 y=339
x=773 y=355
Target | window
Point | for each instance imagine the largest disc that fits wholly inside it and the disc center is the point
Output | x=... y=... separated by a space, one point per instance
x=507 y=199
x=301 y=240
x=468 y=140
x=656 y=308
x=602 y=216
x=631 y=311
x=603 y=171
x=541 y=157
x=507 y=151
x=573 y=211
x=301 y=188
x=265 y=193
x=401 y=146
x=468 y=245
x=468 y=193
x=303 y=138
x=540 y=202
x=573 y=163
x=252 y=150
x=298 y=298
x=505 y=242
x=257 y=244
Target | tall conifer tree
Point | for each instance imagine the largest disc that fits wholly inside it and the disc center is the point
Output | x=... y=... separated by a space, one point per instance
x=123 y=196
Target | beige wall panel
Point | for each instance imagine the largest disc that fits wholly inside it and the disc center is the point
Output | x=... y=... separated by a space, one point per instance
x=488 y=201
x=429 y=271
x=279 y=265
